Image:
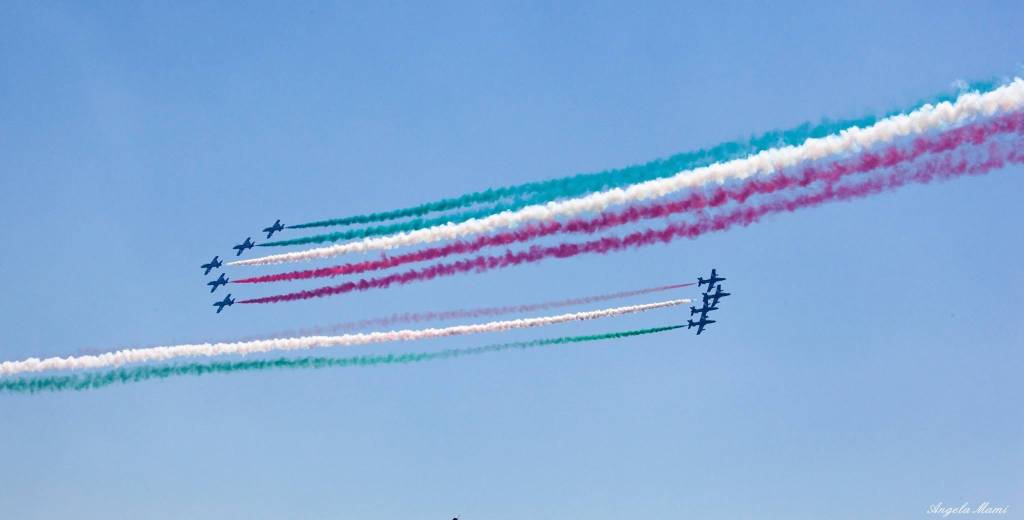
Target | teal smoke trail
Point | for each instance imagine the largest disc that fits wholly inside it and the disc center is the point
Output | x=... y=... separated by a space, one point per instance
x=542 y=191
x=96 y=380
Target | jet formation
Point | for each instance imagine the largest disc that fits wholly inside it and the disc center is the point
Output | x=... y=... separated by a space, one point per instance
x=217 y=263
x=711 y=296
x=710 y=301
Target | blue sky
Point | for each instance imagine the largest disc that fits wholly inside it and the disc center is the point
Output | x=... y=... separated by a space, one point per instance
x=869 y=364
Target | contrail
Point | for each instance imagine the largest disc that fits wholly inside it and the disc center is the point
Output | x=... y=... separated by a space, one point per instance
x=543 y=191
x=95 y=380
x=943 y=166
x=141 y=355
x=974 y=133
x=1004 y=99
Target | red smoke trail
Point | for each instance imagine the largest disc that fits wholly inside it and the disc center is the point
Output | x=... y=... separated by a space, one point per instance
x=887 y=157
x=945 y=166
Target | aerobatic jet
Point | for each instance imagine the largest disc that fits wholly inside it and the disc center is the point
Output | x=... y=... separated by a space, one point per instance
x=223 y=280
x=710 y=282
x=273 y=229
x=700 y=324
x=215 y=263
x=703 y=310
x=715 y=296
x=226 y=302
x=243 y=246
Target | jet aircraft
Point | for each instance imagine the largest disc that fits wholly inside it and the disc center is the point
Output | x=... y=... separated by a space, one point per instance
x=715 y=296
x=226 y=302
x=223 y=280
x=703 y=310
x=243 y=246
x=711 y=281
x=700 y=324
x=272 y=229
x=215 y=263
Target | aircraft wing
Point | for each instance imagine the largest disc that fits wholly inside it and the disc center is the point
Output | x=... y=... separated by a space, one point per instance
x=704 y=323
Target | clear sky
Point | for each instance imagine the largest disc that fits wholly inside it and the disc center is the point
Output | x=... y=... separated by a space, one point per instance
x=869 y=364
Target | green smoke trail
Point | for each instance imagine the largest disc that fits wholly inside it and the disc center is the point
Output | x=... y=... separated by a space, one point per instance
x=95 y=380
x=544 y=191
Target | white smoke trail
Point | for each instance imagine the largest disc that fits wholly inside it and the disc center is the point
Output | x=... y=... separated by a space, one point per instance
x=140 y=355
x=1007 y=98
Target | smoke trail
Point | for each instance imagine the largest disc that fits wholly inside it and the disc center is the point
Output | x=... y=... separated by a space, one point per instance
x=483 y=312
x=974 y=133
x=140 y=355
x=940 y=167
x=92 y=381
x=420 y=223
x=420 y=317
x=1005 y=99
x=543 y=191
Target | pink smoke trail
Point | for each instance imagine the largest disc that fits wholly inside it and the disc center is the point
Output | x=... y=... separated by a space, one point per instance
x=941 y=167
x=419 y=317
x=975 y=133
